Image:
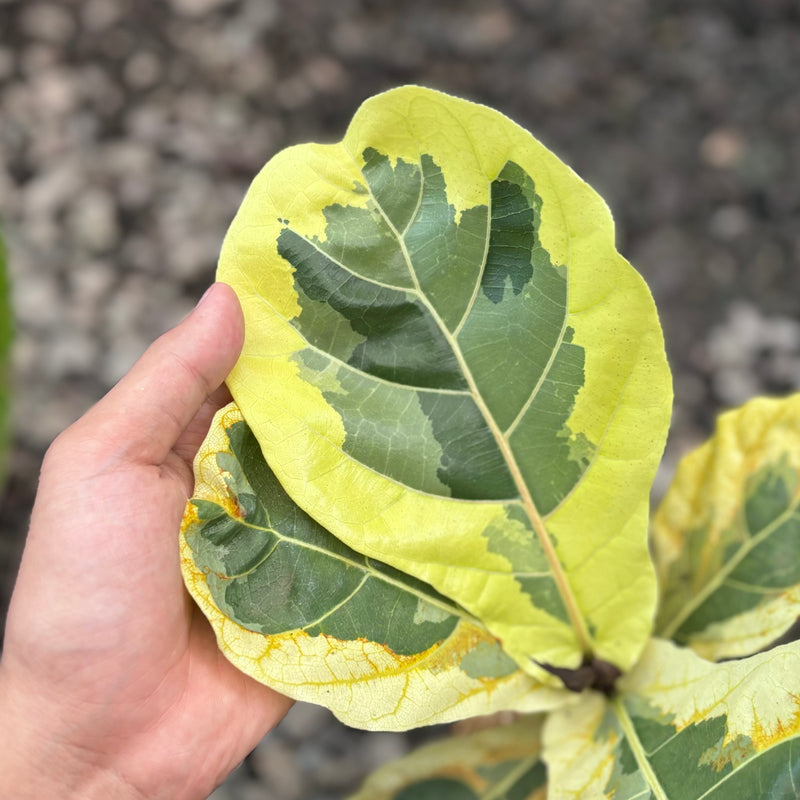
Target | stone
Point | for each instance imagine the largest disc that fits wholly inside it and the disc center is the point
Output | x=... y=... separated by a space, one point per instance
x=142 y=70
x=723 y=148
x=93 y=220
x=51 y=22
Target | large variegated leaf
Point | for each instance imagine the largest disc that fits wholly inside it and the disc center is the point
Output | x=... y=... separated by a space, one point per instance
x=683 y=728
x=298 y=610
x=500 y=763
x=727 y=534
x=449 y=366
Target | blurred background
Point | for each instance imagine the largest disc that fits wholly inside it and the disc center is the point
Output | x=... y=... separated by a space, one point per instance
x=130 y=129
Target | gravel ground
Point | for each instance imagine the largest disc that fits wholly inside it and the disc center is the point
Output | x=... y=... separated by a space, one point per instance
x=130 y=130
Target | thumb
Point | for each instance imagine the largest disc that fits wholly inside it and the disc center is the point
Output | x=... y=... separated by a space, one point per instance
x=142 y=417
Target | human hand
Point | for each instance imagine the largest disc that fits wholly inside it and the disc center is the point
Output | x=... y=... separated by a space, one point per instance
x=111 y=683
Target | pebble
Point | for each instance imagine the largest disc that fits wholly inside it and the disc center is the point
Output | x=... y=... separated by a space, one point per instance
x=93 y=220
x=36 y=303
x=729 y=222
x=99 y=15
x=88 y=286
x=50 y=22
x=142 y=70
x=49 y=191
x=723 y=148
x=748 y=351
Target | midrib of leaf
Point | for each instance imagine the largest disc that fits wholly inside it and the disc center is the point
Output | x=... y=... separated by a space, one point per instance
x=721 y=576
x=499 y=789
x=369 y=572
x=639 y=753
x=565 y=590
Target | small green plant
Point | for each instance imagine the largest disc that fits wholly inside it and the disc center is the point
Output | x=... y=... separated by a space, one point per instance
x=430 y=497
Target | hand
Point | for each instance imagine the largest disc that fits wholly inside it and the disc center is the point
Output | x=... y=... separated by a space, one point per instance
x=111 y=683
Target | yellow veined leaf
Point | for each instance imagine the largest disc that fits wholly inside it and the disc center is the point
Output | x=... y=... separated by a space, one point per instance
x=683 y=728
x=501 y=763
x=727 y=534
x=298 y=610
x=448 y=365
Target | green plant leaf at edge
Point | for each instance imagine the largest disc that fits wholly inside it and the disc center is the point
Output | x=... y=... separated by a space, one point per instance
x=448 y=365
x=727 y=534
x=682 y=728
x=299 y=611
x=501 y=763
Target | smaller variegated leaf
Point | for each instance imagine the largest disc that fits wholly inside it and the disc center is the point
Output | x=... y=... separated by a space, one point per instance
x=301 y=612
x=727 y=534
x=500 y=763
x=683 y=728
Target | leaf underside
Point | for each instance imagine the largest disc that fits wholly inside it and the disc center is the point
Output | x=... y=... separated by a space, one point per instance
x=448 y=366
x=727 y=534
x=305 y=614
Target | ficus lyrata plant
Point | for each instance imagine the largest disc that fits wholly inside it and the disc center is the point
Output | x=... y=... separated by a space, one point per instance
x=430 y=497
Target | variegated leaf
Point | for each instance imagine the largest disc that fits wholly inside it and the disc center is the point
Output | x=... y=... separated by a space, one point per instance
x=298 y=610
x=500 y=763
x=449 y=366
x=727 y=534
x=682 y=728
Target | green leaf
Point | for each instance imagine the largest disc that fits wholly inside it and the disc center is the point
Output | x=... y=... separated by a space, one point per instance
x=6 y=335
x=500 y=763
x=727 y=534
x=298 y=610
x=448 y=365
x=682 y=728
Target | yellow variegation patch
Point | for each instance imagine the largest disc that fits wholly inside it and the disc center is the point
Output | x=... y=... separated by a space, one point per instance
x=579 y=762
x=759 y=697
x=364 y=684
